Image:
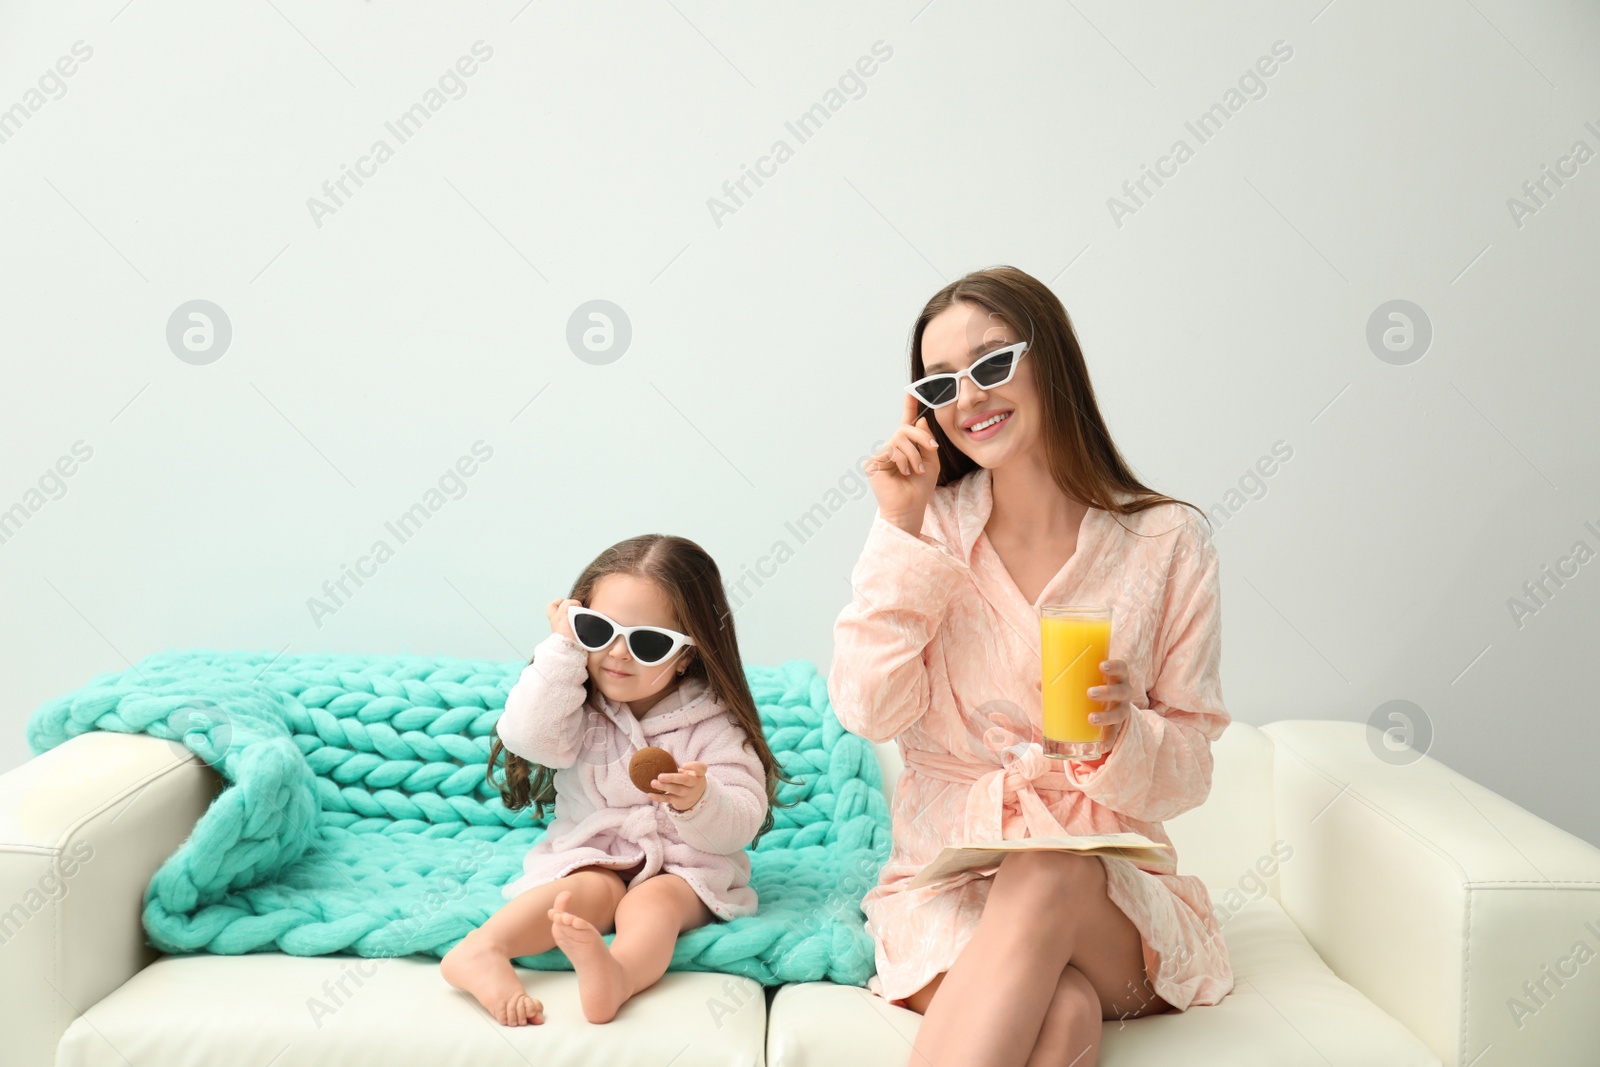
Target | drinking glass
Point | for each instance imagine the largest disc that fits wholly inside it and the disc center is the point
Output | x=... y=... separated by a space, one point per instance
x=1073 y=640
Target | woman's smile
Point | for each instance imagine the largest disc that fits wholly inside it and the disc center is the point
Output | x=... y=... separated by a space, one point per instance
x=986 y=424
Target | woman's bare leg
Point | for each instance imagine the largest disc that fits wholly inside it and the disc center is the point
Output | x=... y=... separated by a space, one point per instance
x=1070 y=1035
x=1075 y=1006
x=1043 y=911
x=648 y=921
x=919 y=1001
x=480 y=963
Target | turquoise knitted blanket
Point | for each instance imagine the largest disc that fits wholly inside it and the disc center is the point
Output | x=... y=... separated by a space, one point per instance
x=355 y=818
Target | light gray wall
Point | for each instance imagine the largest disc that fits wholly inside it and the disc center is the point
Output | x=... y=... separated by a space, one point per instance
x=1225 y=313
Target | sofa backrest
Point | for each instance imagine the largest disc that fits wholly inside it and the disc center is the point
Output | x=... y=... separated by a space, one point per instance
x=1228 y=841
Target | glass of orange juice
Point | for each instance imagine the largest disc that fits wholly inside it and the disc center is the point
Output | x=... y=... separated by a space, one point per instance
x=1073 y=640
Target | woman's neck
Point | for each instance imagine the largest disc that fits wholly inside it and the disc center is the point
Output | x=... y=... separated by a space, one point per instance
x=1025 y=502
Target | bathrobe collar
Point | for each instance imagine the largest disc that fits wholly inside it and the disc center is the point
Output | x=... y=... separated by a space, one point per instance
x=973 y=503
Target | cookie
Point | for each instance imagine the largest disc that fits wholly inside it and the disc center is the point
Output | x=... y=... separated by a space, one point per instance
x=647 y=763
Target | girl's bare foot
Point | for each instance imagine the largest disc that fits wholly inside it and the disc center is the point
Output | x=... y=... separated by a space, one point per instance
x=478 y=968
x=602 y=984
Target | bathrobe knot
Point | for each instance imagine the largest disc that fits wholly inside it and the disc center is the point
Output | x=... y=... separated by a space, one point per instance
x=643 y=821
x=1023 y=771
x=643 y=827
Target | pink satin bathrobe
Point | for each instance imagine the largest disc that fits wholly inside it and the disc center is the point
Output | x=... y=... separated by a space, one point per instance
x=939 y=651
x=601 y=817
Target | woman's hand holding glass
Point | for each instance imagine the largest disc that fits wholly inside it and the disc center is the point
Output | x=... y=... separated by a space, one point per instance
x=1118 y=692
x=1115 y=690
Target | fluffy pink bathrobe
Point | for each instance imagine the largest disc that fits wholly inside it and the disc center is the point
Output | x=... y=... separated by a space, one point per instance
x=934 y=644
x=601 y=817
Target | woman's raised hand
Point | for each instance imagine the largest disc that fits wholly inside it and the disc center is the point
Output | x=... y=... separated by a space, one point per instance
x=557 y=611
x=904 y=474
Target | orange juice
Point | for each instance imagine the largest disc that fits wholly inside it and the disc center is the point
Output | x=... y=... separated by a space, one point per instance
x=1072 y=642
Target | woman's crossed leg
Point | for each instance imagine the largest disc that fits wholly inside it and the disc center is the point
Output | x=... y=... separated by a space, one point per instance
x=1051 y=958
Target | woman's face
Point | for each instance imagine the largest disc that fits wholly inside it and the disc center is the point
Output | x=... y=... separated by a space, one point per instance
x=956 y=338
x=632 y=601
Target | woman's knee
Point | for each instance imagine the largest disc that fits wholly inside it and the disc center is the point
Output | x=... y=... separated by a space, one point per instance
x=1047 y=878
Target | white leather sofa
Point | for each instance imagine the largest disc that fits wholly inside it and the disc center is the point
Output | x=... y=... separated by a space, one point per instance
x=1375 y=914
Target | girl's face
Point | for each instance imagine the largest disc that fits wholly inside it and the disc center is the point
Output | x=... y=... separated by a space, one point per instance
x=633 y=601
x=953 y=340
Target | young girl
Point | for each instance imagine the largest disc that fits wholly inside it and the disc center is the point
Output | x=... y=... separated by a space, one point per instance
x=642 y=654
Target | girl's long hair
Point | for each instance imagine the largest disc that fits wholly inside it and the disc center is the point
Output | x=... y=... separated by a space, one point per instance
x=1082 y=457
x=689 y=578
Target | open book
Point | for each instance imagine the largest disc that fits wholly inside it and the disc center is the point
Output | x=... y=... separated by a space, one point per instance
x=954 y=859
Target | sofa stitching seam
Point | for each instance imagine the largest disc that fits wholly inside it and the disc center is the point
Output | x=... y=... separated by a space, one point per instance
x=1466 y=978
x=1394 y=820
x=136 y=789
x=18 y=847
x=1503 y=883
x=66 y=1015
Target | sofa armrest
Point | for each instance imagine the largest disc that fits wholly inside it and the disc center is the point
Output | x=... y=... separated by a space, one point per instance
x=1445 y=903
x=83 y=828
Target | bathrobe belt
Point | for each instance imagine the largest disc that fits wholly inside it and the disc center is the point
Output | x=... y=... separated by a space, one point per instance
x=1025 y=773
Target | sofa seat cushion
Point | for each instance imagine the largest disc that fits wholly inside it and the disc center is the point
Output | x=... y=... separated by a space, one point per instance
x=289 y=1011
x=1286 y=1009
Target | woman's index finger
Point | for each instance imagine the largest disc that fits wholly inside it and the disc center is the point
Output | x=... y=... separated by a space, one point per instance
x=908 y=416
x=912 y=418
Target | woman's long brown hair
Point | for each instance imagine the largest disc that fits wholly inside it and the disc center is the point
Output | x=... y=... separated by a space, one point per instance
x=1082 y=457
x=689 y=578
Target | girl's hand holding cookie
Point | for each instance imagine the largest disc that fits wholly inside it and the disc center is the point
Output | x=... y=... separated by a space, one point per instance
x=683 y=788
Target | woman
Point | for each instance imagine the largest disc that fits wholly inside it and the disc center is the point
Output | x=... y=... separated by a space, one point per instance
x=1016 y=496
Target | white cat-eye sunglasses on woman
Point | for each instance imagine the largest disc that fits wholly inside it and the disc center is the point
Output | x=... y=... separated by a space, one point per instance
x=994 y=369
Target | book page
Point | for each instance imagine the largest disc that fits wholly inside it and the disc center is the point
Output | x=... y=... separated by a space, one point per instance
x=955 y=859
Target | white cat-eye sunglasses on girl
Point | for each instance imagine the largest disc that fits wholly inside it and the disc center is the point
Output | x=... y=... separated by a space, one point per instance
x=647 y=644
x=994 y=369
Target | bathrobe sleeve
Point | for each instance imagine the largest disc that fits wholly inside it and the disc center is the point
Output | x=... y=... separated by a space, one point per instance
x=730 y=811
x=544 y=718
x=1160 y=766
x=878 y=680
